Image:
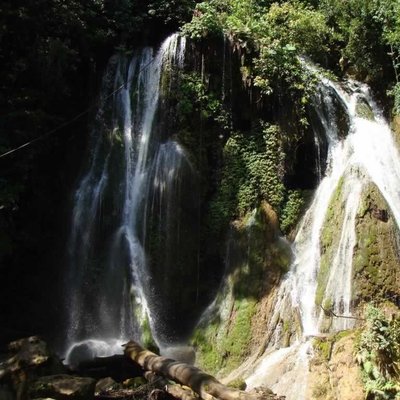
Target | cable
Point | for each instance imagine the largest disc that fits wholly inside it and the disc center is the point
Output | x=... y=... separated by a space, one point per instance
x=78 y=116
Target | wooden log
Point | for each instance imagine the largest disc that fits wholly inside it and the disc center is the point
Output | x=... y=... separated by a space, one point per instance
x=174 y=389
x=205 y=385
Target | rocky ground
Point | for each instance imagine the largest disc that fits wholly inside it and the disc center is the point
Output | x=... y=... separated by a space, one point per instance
x=30 y=371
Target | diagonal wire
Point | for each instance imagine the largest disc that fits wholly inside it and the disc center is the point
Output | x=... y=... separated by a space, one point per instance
x=72 y=120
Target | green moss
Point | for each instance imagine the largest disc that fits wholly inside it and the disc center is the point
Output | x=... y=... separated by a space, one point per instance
x=328 y=305
x=251 y=172
x=324 y=347
x=147 y=336
x=330 y=237
x=204 y=339
x=375 y=260
x=225 y=347
x=291 y=210
x=238 y=336
x=238 y=383
x=255 y=253
x=342 y=334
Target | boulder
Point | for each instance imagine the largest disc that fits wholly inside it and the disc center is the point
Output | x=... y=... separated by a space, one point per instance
x=105 y=384
x=25 y=361
x=63 y=387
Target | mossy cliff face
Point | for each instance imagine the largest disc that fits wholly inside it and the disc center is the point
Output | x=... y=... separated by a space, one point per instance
x=376 y=255
x=330 y=237
x=396 y=129
x=256 y=258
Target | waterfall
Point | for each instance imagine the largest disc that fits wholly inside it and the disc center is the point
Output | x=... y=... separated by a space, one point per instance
x=367 y=154
x=109 y=283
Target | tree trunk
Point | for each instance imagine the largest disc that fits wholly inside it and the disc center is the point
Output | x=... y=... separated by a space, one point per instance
x=201 y=383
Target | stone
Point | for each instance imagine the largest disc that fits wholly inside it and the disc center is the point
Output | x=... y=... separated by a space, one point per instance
x=335 y=375
x=27 y=359
x=105 y=384
x=63 y=387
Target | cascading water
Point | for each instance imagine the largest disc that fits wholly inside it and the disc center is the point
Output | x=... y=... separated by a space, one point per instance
x=367 y=154
x=109 y=279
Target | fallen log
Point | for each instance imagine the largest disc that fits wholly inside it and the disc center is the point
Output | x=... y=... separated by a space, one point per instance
x=205 y=385
x=175 y=390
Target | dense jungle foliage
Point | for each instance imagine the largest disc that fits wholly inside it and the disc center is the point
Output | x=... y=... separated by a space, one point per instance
x=52 y=55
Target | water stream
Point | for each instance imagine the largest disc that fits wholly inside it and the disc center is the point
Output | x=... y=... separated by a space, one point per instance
x=367 y=154
x=109 y=284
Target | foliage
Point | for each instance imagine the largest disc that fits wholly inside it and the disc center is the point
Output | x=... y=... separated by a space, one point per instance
x=225 y=347
x=292 y=210
x=366 y=36
x=252 y=171
x=193 y=97
x=206 y=22
x=274 y=36
x=362 y=36
x=378 y=353
x=176 y=12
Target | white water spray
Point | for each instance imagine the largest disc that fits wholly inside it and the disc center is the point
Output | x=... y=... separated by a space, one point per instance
x=102 y=291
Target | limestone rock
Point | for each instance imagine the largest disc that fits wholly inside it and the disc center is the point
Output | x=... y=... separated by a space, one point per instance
x=334 y=374
x=266 y=393
x=63 y=387
x=376 y=255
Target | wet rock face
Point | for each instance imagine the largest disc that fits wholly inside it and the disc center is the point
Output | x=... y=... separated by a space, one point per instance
x=376 y=256
x=63 y=387
x=334 y=373
x=27 y=359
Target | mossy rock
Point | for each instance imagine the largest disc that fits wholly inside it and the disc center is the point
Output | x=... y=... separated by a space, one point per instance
x=330 y=237
x=363 y=110
x=257 y=254
x=238 y=383
x=63 y=387
x=376 y=256
x=395 y=125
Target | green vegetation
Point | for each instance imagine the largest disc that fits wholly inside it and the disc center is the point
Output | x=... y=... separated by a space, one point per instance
x=323 y=347
x=251 y=173
x=193 y=98
x=292 y=210
x=53 y=53
x=225 y=347
x=330 y=237
x=363 y=37
x=225 y=341
x=375 y=258
x=378 y=353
